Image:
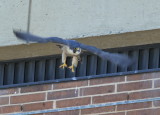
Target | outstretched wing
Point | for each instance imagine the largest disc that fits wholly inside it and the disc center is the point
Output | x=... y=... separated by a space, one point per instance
x=30 y=37
x=119 y=59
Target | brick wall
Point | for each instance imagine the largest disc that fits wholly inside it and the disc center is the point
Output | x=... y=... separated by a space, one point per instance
x=87 y=92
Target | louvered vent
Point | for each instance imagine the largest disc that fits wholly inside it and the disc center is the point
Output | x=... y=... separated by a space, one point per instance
x=43 y=69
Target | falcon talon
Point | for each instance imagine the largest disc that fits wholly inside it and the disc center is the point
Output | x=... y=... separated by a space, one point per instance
x=72 y=68
x=63 y=66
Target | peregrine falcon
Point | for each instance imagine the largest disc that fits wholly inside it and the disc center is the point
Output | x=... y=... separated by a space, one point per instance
x=74 y=48
x=66 y=51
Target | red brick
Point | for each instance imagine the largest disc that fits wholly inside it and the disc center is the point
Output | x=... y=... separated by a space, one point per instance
x=28 y=98
x=70 y=84
x=97 y=90
x=143 y=76
x=134 y=106
x=144 y=112
x=73 y=102
x=38 y=106
x=110 y=98
x=74 y=112
x=156 y=103
x=119 y=113
x=9 y=91
x=144 y=94
x=36 y=88
x=157 y=83
x=10 y=109
x=62 y=94
x=4 y=100
x=107 y=80
x=134 y=86
x=98 y=110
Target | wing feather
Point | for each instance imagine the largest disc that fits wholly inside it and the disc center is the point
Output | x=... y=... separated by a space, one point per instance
x=119 y=59
x=30 y=37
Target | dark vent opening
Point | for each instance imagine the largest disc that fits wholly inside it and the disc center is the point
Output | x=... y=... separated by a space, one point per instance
x=60 y=73
x=29 y=71
x=81 y=69
x=50 y=69
x=153 y=58
x=46 y=69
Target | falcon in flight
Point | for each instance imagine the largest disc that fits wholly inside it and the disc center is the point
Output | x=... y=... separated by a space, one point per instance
x=74 y=49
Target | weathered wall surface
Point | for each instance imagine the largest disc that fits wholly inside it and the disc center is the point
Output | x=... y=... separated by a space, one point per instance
x=13 y=14
x=73 y=19
x=76 y=19
x=87 y=92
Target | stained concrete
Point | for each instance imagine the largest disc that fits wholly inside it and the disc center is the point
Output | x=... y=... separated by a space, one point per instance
x=71 y=19
x=13 y=15
x=103 y=42
x=101 y=23
x=82 y=18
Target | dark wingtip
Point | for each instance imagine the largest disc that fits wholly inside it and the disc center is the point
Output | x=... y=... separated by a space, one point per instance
x=16 y=33
x=20 y=35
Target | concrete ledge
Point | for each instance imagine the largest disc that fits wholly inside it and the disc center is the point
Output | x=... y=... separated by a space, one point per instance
x=103 y=42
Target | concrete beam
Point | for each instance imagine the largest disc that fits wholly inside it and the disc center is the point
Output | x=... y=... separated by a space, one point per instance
x=103 y=42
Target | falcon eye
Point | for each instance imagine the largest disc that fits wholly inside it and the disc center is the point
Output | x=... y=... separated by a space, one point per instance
x=76 y=49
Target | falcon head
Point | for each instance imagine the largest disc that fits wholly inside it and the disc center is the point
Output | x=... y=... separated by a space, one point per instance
x=74 y=51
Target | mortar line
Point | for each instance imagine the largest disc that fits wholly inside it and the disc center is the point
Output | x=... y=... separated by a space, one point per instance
x=125 y=78
x=116 y=88
x=104 y=84
x=80 y=111
x=54 y=104
x=125 y=112
x=39 y=92
x=152 y=104
x=88 y=83
x=46 y=96
x=153 y=83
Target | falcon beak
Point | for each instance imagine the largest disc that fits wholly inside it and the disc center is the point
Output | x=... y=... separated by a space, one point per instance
x=74 y=50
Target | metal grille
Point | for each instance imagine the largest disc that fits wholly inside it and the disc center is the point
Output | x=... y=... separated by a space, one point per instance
x=46 y=68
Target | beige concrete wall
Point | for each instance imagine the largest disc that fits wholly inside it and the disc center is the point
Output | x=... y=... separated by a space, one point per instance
x=82 y=18
x=103 y=42
x=76 y=18
x=13 y=14
x=102 y=23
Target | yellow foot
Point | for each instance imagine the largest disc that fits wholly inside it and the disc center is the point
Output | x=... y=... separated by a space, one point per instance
x=63 y=66
x=71 y=67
